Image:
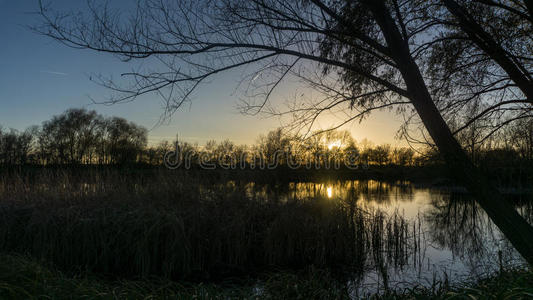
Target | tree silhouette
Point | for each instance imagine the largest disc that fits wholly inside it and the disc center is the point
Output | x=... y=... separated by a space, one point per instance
x=372 y=54
x=15 y=146
x=480 y=53
x=79 y=136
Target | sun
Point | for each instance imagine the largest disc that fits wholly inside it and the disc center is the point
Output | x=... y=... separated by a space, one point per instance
x=335 y=144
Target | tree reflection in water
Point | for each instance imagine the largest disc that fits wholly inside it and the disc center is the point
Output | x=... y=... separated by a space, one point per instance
x=439 y=233
x=457 y=223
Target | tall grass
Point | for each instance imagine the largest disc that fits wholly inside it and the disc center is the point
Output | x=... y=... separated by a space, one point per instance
x=184 y=226
x=24 y=278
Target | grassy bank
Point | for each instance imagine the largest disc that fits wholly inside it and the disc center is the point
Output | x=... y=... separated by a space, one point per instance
x=24 y=278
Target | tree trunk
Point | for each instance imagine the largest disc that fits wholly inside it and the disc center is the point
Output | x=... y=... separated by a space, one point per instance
x=500 y=211
x=529 y=5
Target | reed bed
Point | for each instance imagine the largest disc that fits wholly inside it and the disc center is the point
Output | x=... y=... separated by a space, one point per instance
x=173 y=225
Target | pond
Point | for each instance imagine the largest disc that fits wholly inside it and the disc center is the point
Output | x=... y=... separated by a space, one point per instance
x=449 y=237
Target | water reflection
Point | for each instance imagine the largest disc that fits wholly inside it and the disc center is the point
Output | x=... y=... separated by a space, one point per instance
x=370 y=191
x=448 y=235
x=456 y=223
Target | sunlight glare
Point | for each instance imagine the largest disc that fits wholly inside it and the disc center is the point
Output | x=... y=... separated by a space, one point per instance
x=336 y=144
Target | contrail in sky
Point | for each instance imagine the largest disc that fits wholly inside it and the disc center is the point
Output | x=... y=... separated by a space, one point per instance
x=54 y=73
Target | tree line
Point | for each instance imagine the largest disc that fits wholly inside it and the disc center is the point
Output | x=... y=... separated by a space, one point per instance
x=76 y=136
x=82 y=137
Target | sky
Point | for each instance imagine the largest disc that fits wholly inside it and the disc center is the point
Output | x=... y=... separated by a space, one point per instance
x=40 y=77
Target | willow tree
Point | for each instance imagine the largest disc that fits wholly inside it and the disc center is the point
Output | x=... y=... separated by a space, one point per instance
x=503 y=31
x=479 y=69
x=361 y=55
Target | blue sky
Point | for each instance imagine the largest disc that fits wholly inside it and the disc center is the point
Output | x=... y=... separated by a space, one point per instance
x=40 y=78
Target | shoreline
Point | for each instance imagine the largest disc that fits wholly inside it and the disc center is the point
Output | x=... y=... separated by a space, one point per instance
x=22 y=277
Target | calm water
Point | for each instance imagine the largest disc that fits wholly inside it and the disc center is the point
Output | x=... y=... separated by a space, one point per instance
x=452 y=238
x=449 y=238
